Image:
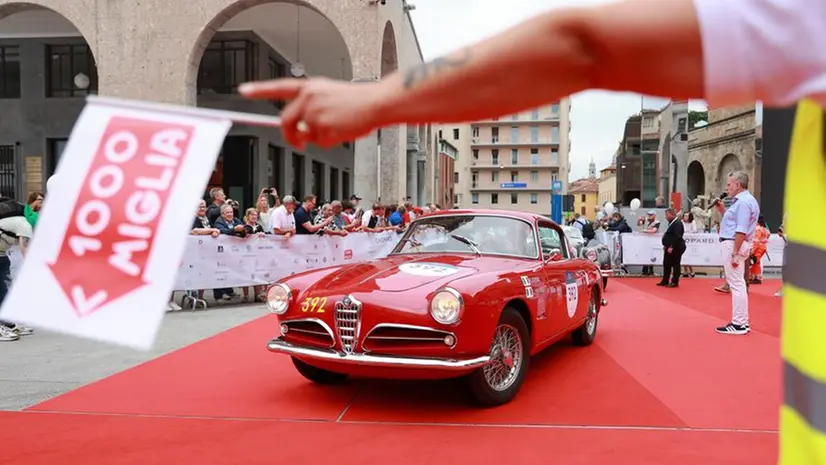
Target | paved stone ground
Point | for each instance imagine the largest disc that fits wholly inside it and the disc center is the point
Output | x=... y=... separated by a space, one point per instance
x=43 y=365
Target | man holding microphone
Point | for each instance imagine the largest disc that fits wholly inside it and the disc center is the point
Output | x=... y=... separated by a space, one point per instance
x=729 y=52
x=736 y=233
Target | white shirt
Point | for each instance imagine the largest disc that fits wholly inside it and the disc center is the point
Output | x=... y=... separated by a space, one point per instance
x=281 y=219
x=365 y=219
x=768 y=50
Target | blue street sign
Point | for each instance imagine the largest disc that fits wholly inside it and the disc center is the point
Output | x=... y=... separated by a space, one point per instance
x=556 y=186
x=556 y=208
x=513 y=185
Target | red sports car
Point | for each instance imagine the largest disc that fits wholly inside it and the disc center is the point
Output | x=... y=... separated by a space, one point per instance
x=465 y=293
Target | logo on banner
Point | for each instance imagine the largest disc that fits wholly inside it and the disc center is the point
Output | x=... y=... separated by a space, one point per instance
x=571 y=294
x=428 y=269
x=115 y=218
x=348 y=254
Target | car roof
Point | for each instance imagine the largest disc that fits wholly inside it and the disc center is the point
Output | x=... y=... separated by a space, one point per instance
x=531 y=217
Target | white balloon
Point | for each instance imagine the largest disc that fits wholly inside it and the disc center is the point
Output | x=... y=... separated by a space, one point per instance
x=52 y=184
x=609 y=208
x=635 y=205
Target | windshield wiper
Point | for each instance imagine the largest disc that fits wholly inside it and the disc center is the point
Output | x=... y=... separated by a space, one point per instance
x=464 y=240
x=412 y=241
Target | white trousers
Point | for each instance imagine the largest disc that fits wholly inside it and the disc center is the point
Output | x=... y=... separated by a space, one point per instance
x=736 y=279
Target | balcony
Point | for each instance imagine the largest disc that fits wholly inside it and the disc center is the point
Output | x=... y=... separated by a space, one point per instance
x=543 y=119
x=546 y=163
x=478 y=142
x=515 y=186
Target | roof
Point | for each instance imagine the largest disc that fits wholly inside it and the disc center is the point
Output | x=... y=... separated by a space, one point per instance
x=479 y=211
x=583 y=185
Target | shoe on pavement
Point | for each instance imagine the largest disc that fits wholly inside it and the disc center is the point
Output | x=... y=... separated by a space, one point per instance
x=733 y=329
x=7 y=334
x=22 y=330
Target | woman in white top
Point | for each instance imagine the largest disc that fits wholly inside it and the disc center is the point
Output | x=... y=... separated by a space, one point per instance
x=689 y=227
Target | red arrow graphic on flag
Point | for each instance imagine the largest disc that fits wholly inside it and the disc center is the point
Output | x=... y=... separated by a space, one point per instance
x=111 y=233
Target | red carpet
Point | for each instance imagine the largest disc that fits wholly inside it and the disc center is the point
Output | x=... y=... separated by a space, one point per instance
x=657 y=364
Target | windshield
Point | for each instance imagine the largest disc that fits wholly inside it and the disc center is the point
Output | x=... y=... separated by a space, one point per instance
x=488 y=235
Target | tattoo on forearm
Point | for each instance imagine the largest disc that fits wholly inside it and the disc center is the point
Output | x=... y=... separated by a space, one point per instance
x=426 y=70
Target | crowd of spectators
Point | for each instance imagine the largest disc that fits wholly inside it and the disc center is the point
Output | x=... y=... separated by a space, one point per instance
x=289 y=217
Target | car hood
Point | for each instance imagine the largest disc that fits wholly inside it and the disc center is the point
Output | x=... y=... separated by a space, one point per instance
x=401 y=273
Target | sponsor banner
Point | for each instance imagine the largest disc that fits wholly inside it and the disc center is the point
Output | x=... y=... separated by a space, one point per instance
x=225 y=261
x=701 y=250
x=114 y=228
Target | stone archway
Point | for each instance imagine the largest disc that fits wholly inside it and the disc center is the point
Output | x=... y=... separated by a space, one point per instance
x=225 y=12
x=729 y=163
x=696 y=180
x=43 y=86
x=389 y=170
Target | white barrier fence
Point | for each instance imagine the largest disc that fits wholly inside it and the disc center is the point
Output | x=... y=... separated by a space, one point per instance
x=701 y=250
x=225 y=261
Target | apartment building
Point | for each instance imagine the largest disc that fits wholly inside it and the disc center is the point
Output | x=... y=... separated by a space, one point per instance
x=607 y=184
x=515 y=162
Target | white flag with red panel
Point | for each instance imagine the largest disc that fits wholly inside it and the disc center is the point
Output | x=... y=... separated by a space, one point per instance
x=110 y=237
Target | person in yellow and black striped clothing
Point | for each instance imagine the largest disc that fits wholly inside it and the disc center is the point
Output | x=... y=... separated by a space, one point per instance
x=726 y=51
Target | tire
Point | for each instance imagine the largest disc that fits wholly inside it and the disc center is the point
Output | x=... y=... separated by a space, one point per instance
x=585 y=334
x=481 y=381
x=604 y=282
x=318 y=375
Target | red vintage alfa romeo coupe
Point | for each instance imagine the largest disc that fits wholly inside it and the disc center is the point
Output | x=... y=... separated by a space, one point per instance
x=465 y=293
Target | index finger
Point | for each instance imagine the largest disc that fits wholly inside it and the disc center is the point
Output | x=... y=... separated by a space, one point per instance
x=278 y=89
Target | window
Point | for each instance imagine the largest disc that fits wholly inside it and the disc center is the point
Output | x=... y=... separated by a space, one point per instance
x=555 y=109
x=681 y=125
x=225 y=65
x=55 y=149
x=9 y=72
x=494 y=199
x=554 y=134
x=334 y=192
x=475 y=131
x=276 y=70
x=535 y=114
x=474 y=179
x=494 y=135
x=534 y=176
x=456 y=199
x=65 y=63
x=345 y=183
x=514 y=156
x=534 y=198
x=514 y=134
x=494 y=176
x=515 y=117
x=455 y=177
x=534 y=133
x=494 y=157
x=554 y=156
x=514 y=197
x=475 y=154
x=550 y=240
x=456 y=134
x=474 y=198
x=514 y=176
x=582 y=211
x=554 y=177
x=534 y=156
x=648 y=122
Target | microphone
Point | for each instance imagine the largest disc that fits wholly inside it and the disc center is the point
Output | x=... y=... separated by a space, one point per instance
x=718 y=199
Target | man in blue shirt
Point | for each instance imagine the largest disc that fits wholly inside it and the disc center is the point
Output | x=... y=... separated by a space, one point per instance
x=736 y=233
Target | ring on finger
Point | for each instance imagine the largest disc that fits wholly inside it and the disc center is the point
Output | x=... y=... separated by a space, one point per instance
x=302 y=126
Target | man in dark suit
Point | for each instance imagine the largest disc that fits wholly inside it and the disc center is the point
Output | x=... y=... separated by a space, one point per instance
x=673 y=249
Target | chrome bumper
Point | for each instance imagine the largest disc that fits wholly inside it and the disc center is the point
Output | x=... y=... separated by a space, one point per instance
x=283 y=347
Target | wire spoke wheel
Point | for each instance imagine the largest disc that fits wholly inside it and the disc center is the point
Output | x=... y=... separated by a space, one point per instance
x=591 y=320
x=506 y=358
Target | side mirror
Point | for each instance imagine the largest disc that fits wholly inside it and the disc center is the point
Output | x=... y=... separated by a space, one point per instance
x=555 y=255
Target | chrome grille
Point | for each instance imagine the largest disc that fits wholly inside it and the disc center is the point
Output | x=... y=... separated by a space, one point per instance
x=348 y=323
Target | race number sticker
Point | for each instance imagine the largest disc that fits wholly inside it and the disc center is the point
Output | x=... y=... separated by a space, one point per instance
x=571 y=294
x=431 y=270
x=112 y=232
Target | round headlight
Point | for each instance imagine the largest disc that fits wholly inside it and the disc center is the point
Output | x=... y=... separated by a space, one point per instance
x=278 y=298
x=446 y=306
x=591 y=255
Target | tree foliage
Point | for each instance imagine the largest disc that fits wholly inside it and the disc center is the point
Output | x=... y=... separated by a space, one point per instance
x=696 y=116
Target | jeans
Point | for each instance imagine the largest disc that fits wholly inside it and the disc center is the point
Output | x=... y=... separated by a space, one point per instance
x=5 y=280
